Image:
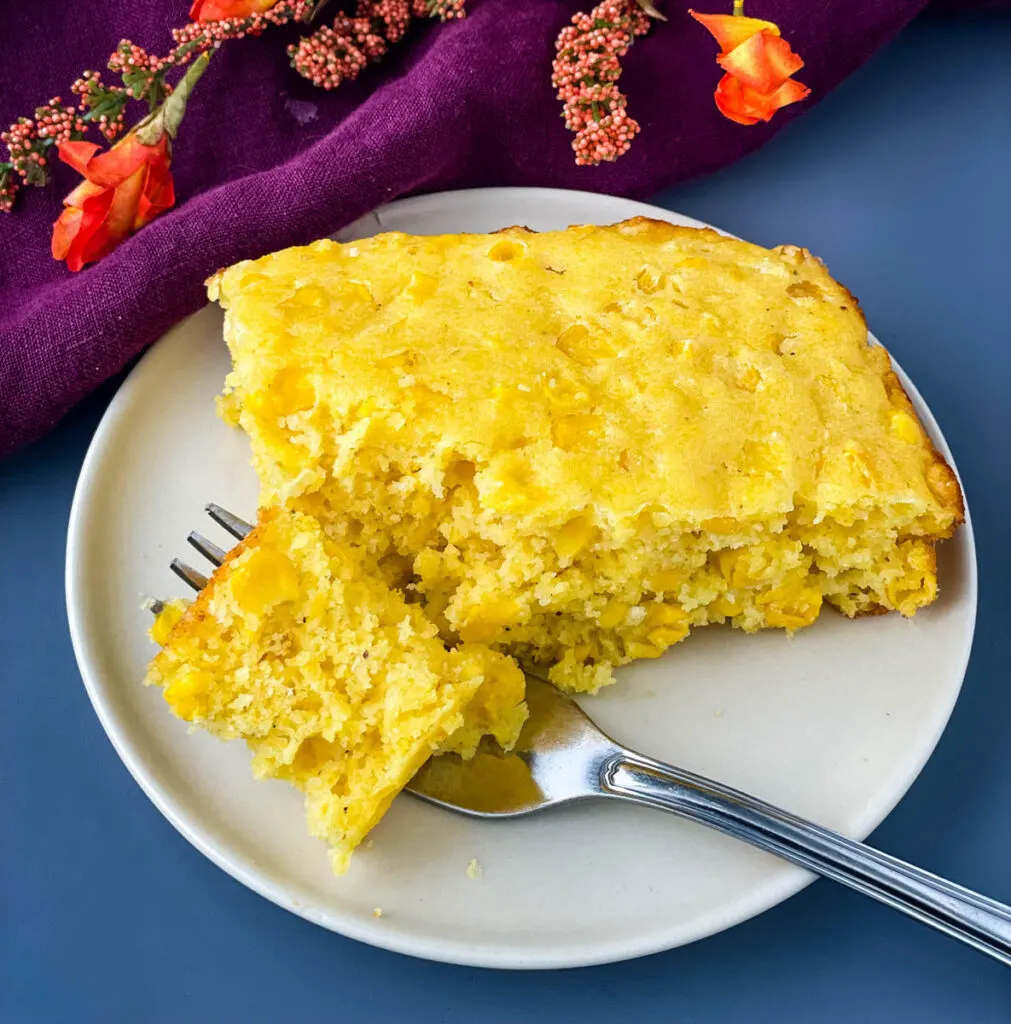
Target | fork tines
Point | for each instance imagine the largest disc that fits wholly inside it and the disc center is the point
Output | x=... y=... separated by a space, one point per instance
x=237 y=527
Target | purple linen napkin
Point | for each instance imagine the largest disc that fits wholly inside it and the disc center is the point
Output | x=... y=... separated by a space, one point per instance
x=266 y=160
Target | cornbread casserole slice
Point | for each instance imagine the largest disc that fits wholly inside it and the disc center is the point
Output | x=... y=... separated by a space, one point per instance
x=332 y=680
x=576 y=445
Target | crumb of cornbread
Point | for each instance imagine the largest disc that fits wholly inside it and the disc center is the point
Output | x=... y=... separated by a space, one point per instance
x=166 y=620
x=378 y=912
x=335 y=683
x=577 y=445
x=474 y=869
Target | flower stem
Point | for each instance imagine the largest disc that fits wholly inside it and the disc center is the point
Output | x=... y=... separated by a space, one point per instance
x=168 y=117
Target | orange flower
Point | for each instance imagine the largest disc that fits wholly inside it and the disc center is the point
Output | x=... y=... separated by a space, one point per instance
x=123 y=189
x=758 y=65
x=218 y=10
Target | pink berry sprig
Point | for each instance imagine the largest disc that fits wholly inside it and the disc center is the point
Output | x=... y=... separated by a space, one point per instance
x=143 y=73
x=29 y=141
x=339 y=52
x=55 y=122
x=389 y=18
x=586 y=70
x=198 y=36
x=103 y=105
x=445 y=10
x=336 y=53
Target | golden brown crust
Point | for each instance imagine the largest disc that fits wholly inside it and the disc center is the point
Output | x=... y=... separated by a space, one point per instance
x=662 y=230
x=940 y=477
x=871 y=610
x=198 y=610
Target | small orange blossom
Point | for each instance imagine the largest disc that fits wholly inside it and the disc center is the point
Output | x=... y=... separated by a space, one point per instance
x=758 y=63
x=218 y=10
x=123 y=189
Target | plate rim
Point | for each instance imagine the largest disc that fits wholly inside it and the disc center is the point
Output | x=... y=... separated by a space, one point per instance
x=458 y=952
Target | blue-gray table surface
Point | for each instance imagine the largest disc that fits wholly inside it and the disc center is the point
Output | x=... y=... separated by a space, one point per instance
x=900 y=182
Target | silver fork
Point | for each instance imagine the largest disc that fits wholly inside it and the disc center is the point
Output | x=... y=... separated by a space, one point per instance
x=562 y=757
x=195 y=579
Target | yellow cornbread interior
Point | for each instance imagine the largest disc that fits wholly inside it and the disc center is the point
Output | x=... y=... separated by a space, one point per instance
x=576 y=445
x=334 y=682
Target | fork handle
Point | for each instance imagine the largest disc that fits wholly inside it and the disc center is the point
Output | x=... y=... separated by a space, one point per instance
x=957 y=911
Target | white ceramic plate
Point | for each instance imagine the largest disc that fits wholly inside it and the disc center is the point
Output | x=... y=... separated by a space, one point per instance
x=833 y=724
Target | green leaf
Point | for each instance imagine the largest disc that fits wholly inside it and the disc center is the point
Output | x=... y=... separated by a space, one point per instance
x=36 y=175
x=169 y=116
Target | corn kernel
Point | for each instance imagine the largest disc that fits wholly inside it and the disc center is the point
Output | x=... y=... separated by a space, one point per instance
x=666 y=615
x=508 y=485
x=731 y=567
x=649 y=280
x=721 y=525
x=858 y=463
x=309 y=298
x=904 y=427
x=290 y=392
x=791 y=606
x=579 y=344
x=804 y=290
x=487 y=621
x=583 y=651
x=290 y=455
x=358 y=291
x=636 y=649
x=759 y=458
x=187 y=693
x=614 y=614
x=748 y=379
x=507 y=250
x=265 y=579
x=666 y=580
x=726 y=607
x=313 y=752
x=691 y=263
x=166 y=621
x=666 y=636
x=569 y=432
x=421 y=286
x=574 y=536
x=398 y=359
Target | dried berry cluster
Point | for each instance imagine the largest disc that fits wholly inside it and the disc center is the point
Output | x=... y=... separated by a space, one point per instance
x=340 y=51
x=586 y=71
